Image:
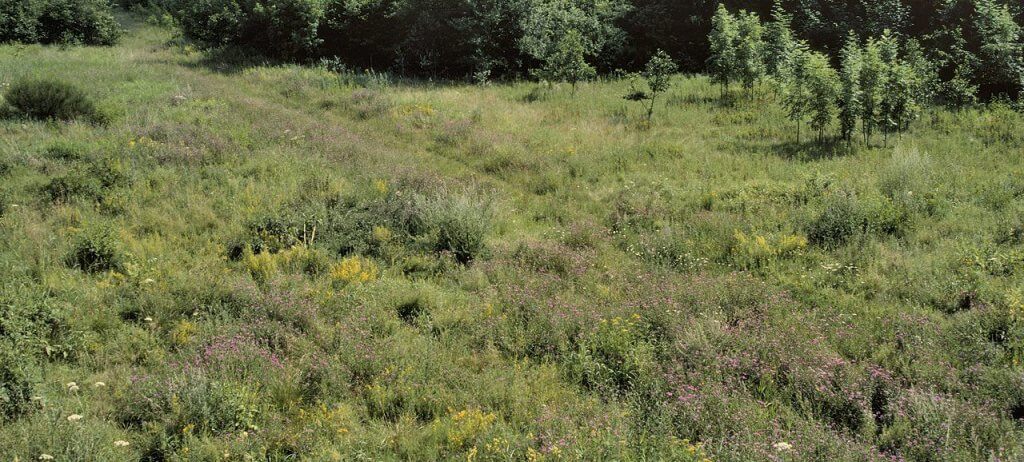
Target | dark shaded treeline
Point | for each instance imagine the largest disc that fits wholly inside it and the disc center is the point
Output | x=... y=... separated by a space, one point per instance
x=458 y=39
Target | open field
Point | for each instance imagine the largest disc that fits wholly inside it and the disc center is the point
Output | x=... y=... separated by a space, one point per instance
x=254 y=262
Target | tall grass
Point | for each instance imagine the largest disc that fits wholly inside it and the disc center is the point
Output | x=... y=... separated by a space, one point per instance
x=278 y=263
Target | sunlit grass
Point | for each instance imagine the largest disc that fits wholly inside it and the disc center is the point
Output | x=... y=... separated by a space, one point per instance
x=308 y=265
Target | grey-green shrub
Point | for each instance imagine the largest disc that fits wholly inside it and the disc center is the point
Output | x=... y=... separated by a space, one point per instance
x=50 y=99
x=459 y=225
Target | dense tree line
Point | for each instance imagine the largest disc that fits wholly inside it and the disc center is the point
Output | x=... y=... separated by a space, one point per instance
x=968 y=42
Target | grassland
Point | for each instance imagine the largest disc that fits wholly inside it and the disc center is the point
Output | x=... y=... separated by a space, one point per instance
x=260 y=262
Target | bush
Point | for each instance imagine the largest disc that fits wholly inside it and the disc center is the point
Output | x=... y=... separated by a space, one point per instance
x=96 y=251
x=88 y=22
x=275 y=28
x=190 y=403
x=50 y=99
x=18 y=21
x=837 y=222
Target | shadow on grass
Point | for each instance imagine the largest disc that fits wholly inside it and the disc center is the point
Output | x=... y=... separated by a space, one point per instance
x=231 y=60
x=813 y=149
x=804 y=150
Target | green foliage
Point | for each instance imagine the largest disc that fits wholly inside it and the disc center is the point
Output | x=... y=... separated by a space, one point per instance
x=568 y=62
x=895 y=103
x=779 y=41
x=277 y=28
x=615 y=359
x=724 y=36
x=850 y=94
x=823 y=89
x=19 y=21
x=87 y=22
x=838 y=222
x=704 y=290
x=658 y=77
x=96 y=249
x=50 y=99
x=798 y=96
x=846 y=216
x=750 y=49
x=872 y=85
x=548 y=22
x=958 y=92
x=1001 y=47
x=17 y=384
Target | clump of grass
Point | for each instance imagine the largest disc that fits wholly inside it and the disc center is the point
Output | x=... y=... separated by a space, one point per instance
x=413 y=304
x=368 y=103
x=65 y=151
x=45 y=99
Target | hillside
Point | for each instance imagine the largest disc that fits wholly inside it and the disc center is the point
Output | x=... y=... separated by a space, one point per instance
x=263 y=262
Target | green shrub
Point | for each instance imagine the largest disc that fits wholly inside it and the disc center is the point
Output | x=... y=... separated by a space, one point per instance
x=847 y=215
x=189 y=404
x=65 y=151
x=96 y=250
x=63 y=189
x=275 y=28
x=19 y=21
x=50 y=99
x=216 y=406
x=615 y=358
x=91 y=181
x=88 y=22
x=272 y=234
x=839 y=221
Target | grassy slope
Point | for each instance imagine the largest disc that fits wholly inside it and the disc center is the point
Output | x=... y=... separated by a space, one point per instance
x=636 y=285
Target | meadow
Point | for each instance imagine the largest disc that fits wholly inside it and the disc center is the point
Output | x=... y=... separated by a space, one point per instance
x=250 y=261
